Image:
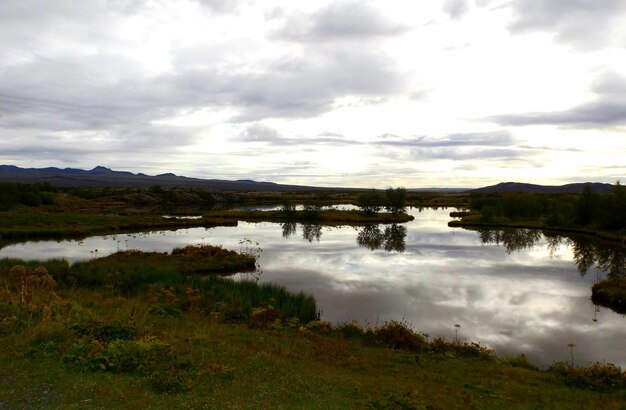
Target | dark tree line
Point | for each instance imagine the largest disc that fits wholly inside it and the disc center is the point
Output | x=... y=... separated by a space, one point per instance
x=373 y=201
x=25 y=194
x=589 y=209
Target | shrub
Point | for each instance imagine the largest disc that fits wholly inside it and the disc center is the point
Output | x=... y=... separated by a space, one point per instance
x=350 y=329
x=319 y=326
x=465 y=349
x=262 y=316
x=595 y=375
x=397 y=335
x=519 y=361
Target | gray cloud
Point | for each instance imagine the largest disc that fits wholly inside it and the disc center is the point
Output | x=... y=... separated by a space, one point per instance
x=607 y=110
x=496 y=138
x=468 y=154
x=598 y=113
x=260 y=132
x=67 y=91
x=490 y=146
x=304 y=86
x=456 y=8
x=584 y=23
x=339 y=20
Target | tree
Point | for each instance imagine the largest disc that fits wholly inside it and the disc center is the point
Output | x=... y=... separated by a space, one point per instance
x=394 y=200
x=370 y=202
x=586 y=205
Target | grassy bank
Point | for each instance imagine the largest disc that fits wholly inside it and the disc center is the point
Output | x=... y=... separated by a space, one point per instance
x=71 y=221
x=610 y=292
x=26 y=223
x=476 y=220
x=76 y=337
x=601 y=215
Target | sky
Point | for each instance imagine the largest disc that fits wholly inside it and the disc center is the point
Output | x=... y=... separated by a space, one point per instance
x=347 y=93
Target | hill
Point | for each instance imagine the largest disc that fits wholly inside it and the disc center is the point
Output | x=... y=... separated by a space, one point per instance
x=549 y=189
x=105 y=177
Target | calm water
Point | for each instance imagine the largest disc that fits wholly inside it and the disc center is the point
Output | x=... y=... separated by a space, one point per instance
x=515 y=291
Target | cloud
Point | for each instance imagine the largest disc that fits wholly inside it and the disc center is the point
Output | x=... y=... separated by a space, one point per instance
x=307 y=86
x=340 y=20
x=490 y=146
x=260 y=132
x=593 y=114
x=495 y=138
x=584 y=23
x=456 y=8
x=221 y=6
x=607 y=110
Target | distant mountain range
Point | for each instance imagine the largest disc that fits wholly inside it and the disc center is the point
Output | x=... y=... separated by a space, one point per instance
x=552 y=189
x=105 y=177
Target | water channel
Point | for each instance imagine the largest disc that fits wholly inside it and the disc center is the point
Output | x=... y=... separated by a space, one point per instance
x=517 y=291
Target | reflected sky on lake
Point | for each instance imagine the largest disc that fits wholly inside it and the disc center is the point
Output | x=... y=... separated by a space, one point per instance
x=520 y=296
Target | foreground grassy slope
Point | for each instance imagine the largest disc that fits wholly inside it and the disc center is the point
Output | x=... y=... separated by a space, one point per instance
x=238 y=367
x=168 y=339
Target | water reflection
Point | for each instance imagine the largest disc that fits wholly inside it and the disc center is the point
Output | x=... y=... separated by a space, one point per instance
x=515 y=298
x=289 y=228
x=393 y=238
x=373 y=237
x=586 y=251
x=311 y=232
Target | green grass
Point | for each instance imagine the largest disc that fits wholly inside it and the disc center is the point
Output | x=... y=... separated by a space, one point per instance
x=235 y=366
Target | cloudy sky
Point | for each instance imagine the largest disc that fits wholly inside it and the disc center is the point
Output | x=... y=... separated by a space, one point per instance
x=333 y=93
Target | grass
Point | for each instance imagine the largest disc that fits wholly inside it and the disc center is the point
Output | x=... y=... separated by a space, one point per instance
x=190 y=342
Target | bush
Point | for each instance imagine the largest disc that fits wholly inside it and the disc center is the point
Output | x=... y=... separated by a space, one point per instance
x=519 y=361
x=397 y=335
x=595 y=375
x=465 y=349
x=350 y=329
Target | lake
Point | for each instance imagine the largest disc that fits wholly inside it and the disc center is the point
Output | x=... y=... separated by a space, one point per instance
x=517 y=291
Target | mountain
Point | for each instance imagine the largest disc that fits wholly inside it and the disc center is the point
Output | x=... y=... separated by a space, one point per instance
x=105 y=177
x=550 y=189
